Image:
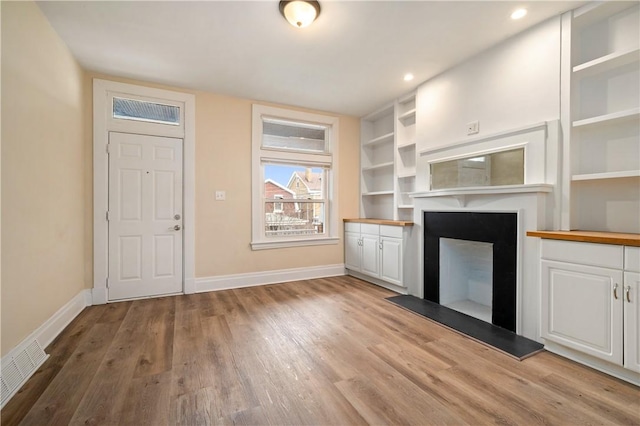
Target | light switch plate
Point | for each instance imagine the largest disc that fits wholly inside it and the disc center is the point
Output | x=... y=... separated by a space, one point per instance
x=221 y=195
x=473 y=127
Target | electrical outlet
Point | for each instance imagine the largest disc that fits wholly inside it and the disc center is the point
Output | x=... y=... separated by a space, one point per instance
x=473 y=127
x=221 y=195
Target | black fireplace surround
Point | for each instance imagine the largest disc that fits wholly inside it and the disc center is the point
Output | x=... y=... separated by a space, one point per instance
x=501 y=229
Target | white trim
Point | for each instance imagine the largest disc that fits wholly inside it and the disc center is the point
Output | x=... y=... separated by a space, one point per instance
x=378 y=282
x=477 y=139
x=564 y=183
x=252 y=279
x=46 y=333
x=485 y=190
x=102 y=124
x=595 y=363
x=266 y=245
x=51 y=328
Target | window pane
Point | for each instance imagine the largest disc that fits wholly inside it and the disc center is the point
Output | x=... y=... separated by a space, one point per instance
x=294 y=200
x=496 y=169
x=293 y=136
x=287 y=218
x=131 y=109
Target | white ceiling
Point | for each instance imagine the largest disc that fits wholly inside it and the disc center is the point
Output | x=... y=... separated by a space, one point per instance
x=350 y=61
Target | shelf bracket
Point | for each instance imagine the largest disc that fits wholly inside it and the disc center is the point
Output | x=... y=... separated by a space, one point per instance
x=462 y=200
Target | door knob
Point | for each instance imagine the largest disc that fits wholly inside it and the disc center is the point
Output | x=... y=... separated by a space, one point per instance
x=177 y=227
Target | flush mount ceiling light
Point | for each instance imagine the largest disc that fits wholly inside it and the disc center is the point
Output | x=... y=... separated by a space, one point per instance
x=520 y=13
x=300 y=13
x=408 y=77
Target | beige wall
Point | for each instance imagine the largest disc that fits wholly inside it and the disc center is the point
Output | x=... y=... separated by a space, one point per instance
x=47 y=215
x=42 y=173
x=223 y=162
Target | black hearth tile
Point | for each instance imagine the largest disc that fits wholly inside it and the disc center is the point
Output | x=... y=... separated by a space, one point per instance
x=502 y=339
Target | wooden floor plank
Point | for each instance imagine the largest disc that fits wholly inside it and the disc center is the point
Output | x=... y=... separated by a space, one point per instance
x=61 y=349
x=327 y=351
x=104 y=398
x=156 y=354
x=58 y=403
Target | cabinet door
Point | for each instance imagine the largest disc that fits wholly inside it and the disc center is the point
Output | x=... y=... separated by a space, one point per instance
x=391 y=260
x=579 y=309
x=631 y=319
x=352 y=251
x=370 y=255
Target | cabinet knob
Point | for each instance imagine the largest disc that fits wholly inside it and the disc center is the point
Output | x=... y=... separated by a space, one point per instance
x=627 y=291
x=615 y=291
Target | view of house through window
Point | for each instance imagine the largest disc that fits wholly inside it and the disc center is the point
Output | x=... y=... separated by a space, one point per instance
x=294 y=200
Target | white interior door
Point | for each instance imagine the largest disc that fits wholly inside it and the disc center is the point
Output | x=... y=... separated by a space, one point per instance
x=145 y=216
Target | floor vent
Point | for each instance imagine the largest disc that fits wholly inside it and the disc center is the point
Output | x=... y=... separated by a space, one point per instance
x=19 y=368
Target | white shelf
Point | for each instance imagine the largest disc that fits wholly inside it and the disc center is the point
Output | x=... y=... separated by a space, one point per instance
x=407 y=115
x=411 y=144
x=376 y=115
x=408 y=98
x=614 y=117
x=405 y=206
x=378 y=166
x=606 y=175
x=598 y=11
x=374 y=193
x=388 y=137
x=409 y=174
x=607 y=62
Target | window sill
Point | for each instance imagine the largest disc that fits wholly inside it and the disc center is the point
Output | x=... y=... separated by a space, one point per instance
x=267 y=245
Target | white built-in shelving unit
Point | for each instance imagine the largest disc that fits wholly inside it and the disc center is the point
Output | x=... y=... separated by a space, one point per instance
x=377 y=164
x=602 y=139
x=388 y=164
x=405 y=153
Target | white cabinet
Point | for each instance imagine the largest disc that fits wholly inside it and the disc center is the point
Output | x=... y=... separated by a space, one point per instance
x=391 y=260
x=352 y=250
x=370 y=253
x=580 y=311
x=589 y=300
x=376 y=253
x=601 y=97
x=631 y=321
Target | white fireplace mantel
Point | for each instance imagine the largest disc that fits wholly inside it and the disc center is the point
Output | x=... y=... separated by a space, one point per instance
x=461 y=194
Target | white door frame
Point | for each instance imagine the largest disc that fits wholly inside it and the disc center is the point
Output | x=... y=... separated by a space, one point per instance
x=103 y=123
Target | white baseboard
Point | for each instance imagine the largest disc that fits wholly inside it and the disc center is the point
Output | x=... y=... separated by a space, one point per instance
x=24 y=359
x=58 y=321
x=595 y=363
x=227 y=282
x=189 y=286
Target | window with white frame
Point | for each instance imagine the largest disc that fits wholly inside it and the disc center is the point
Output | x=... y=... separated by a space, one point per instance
x=294 y=172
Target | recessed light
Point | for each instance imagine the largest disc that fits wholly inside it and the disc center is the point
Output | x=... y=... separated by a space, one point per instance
x=520 y=13
x=408 y=77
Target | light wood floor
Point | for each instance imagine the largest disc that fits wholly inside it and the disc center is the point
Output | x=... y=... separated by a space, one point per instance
x=326 y=351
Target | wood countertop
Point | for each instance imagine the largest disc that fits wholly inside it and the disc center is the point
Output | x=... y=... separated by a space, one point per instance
x=590 y=237
x=381 y=222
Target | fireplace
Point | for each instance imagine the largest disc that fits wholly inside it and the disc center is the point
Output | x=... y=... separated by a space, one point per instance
x=470 y=263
